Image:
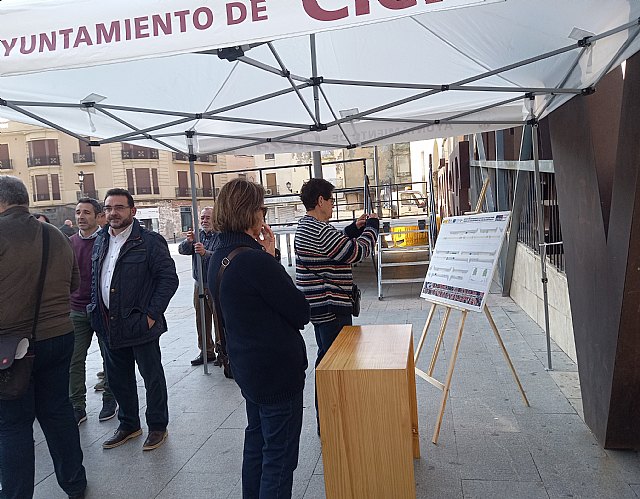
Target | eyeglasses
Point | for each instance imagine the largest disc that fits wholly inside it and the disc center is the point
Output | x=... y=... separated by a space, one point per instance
x=264 y=211
x=331 y=200
x=118 y=207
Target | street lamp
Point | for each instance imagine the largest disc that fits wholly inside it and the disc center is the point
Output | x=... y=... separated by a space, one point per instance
x=81 y=182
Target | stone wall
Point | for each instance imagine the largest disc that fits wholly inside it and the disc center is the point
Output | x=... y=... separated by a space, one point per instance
x=526 y=291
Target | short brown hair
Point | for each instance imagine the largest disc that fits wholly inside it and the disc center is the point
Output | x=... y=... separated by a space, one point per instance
x=237 y=206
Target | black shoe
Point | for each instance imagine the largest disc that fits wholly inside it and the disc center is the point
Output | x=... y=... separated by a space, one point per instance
x=199 y=360
x=100 y=374
x=99 y=386
x=80 y=415
x=109 y=410
x=155 y=439
x=120 y=437
x=81 y=495
x=218 y=362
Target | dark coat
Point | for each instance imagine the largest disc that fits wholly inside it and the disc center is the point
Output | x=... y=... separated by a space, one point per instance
x=143 y=282
x=263 y=312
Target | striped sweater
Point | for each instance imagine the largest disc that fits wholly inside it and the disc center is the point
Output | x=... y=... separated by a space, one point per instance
x=323 y=263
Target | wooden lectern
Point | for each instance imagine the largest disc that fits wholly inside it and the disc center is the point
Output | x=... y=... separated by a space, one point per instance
x=368 y=413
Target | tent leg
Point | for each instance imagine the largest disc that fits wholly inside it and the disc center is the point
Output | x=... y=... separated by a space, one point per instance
x=541 y=241
x=196 y=235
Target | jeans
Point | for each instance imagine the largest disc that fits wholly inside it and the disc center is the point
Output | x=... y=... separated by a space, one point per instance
x=83 y=334
x=326 y=334
x=48 y=400
x=120 y=364
x=271 y=443
x=208 y=320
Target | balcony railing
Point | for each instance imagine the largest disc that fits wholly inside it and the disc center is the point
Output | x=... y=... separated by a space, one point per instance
x=185 y=192
x=140 y=154
x=207 y=192
x=84 y=157
x=6 y=164
x=87 y=194
x=200 y=158
x=143 y=190
x=43 y=160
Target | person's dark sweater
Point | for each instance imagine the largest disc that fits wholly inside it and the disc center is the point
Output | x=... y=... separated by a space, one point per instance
x=82 y=248
x=263 y=312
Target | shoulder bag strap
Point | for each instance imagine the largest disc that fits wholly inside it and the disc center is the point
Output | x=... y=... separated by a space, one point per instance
x=218 y=315
x=43 y=273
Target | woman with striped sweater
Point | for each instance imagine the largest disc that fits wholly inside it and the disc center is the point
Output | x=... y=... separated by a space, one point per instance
x=324 y=256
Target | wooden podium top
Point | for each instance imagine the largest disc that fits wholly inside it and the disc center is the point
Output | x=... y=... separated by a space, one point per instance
x=369 y=347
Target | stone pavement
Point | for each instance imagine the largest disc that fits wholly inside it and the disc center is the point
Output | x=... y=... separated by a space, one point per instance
x=491 y=445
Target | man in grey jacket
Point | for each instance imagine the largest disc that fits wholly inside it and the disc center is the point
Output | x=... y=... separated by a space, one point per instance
x=204 y=250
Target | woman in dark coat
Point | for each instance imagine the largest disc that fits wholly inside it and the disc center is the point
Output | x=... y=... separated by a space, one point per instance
x=263 y=313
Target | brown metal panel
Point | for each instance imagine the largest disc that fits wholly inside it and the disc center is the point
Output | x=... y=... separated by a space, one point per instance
x=602 y=271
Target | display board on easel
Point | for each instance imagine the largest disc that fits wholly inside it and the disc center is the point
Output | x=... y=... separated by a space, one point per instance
x=464 y=260
x=459 y=277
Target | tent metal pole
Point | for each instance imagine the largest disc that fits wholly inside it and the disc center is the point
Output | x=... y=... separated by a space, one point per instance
x=316 y=156
x=376 y=178
x=196 y=238
x=317 y=164
x=541 y=242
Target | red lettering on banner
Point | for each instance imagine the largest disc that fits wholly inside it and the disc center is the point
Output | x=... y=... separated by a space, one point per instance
x=141 y=25
x=314 y=10
x=208 y=18
x=65 y=36
x=23 y=44
x=362 y=7
x=160 y=24
x=49 y=42
x=256 y=10
x=182 y=15
x=127 y=29
x=398 y=4
x=8 y=47
x=104 y=36
x=82 y=37
x=241 y=13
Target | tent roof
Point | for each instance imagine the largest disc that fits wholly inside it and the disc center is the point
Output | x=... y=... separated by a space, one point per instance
x=430 y=74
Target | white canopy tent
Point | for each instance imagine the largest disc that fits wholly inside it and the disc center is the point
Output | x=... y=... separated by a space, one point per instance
x=289 y=82
x=261 y=76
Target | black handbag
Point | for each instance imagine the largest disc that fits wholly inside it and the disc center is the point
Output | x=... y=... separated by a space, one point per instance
x=355 y=300
x=15 y=374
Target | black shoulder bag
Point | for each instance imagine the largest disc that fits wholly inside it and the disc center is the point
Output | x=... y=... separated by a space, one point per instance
x=15 y=374
x=221 y=345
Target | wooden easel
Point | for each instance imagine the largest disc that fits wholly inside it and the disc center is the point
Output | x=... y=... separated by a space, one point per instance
x=428 y=376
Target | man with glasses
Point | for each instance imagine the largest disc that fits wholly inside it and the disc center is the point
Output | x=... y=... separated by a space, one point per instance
x=133 y=280
x=204 y=250
x=324 y=256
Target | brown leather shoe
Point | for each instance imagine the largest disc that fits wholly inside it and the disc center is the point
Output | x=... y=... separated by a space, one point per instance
x=120 y=437
x=155 y=439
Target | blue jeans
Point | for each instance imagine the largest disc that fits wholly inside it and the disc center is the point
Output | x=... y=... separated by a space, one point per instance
x=48 y=400
x=326 y=334
x=120 y=365
x=271 y=443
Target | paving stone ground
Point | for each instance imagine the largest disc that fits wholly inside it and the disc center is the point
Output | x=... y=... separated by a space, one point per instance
x=490 y=446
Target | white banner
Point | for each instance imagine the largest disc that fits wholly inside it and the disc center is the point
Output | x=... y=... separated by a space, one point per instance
x=53 y=34
x=464 y=260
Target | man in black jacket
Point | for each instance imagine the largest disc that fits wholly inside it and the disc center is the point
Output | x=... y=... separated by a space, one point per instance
x=133 y=280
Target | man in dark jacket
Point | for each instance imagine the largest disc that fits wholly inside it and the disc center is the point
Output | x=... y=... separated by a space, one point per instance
x=133 y=280
x=48 y=393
